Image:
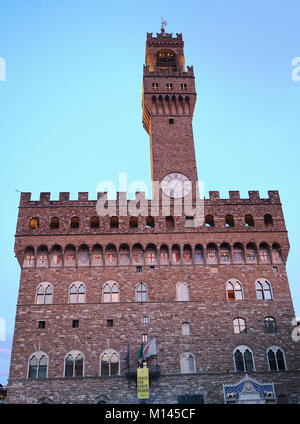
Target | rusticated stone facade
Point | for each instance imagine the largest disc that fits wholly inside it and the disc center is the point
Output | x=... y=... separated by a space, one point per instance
x=196 y=280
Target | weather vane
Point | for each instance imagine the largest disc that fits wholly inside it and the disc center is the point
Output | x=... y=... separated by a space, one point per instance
x=163 y=24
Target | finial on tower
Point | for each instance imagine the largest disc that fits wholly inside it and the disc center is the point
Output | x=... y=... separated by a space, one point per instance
x=163 y=24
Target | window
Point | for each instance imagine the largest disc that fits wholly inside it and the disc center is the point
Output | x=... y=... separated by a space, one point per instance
x=234 y=290
x=74 y=222
x=139 y=269
x=141 y=291
x=187 y=363
x=212 y=254
x=270 y=325
x=229 y=221
x=238 y=253
x=75 y=323
x=42 y=324
x=149 y=222
x=94 y=222
x=182 y=292
x=154 y=86
x=225 y=254
x=263 y=290
x=169 y=86
x=111 y=292
x=183 y=86
x=54 y=223
x=249 y=221
x=34 y=224
x=133 y=222
x=268 y=220
x=44 y=294
x=170 y=225
x=251 y=253
x=145 y=319
x=189 y=222
x=109 y=363
x=114 y=222
x=38 y=364
x=144 y=338
x=239 y=326
x=185 y=329
x=77 y=293
x=74 y=364
x=110 y=323
x=264 y=254
x=171 y=121
x=209 y=221
x=276 y=253
x=243 y=359
x=276 y=359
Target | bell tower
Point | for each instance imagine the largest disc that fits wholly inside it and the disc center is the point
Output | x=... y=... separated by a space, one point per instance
x=169 y=98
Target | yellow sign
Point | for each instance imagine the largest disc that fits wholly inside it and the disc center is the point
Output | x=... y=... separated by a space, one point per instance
x=142 y=383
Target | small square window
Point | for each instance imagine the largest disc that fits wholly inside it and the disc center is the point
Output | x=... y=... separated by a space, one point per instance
x=75 y=323
x=184 y=86
x=275 y=269
x=154 y=86
x=152 y=267
x=171 y=121
x=110 y=323
x=139 y=269
x=144 y=338
x=145 y=319
x=42 y=324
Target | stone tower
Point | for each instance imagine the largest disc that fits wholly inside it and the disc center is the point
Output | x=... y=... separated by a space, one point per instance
x=214 y=296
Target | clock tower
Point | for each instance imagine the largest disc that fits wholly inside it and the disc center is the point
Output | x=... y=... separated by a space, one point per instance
x=169 y=98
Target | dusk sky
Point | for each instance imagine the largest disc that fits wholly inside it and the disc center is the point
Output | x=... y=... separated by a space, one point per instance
x=71 y=106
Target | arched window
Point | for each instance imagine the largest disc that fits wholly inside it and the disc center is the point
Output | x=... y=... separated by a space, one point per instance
x=270 y=325
x=133 y=222
x=185 y=329
x=251 y=253
x=264 y=253
x=109 y=363
x=141 y=292
x=94 y=222
x=234 y=290
x=229 y=221
x=225 y=254
x=276 y=359
x=249 y=221
x=38 y=365
x=187 y=363
x=209 y=221
x=29 y=257
x=54 y=223
x=34 y=223
x=182 y=292
x=238 y=253
x=263 y=289
x=44 y=294
x=239 y=326
x=74 y=362
x=166 y=58
x=150 y=222
x=74 y=222
x=276 y=253
x=243 y=359
x=114 y=222
x=111 y=292
x=42 y=256
x=268 y=220
x=77 y=293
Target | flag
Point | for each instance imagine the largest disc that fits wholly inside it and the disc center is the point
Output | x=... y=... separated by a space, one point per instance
x=127 y=356
x=140 y=357
x=150 y=349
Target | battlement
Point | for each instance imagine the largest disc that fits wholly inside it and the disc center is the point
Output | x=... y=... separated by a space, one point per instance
x=164 y=38
x=121 y=197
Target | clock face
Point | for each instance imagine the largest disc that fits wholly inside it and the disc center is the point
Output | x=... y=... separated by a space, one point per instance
x=176 y=185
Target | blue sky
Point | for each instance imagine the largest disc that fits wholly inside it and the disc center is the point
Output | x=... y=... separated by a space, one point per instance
x=70 y=108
